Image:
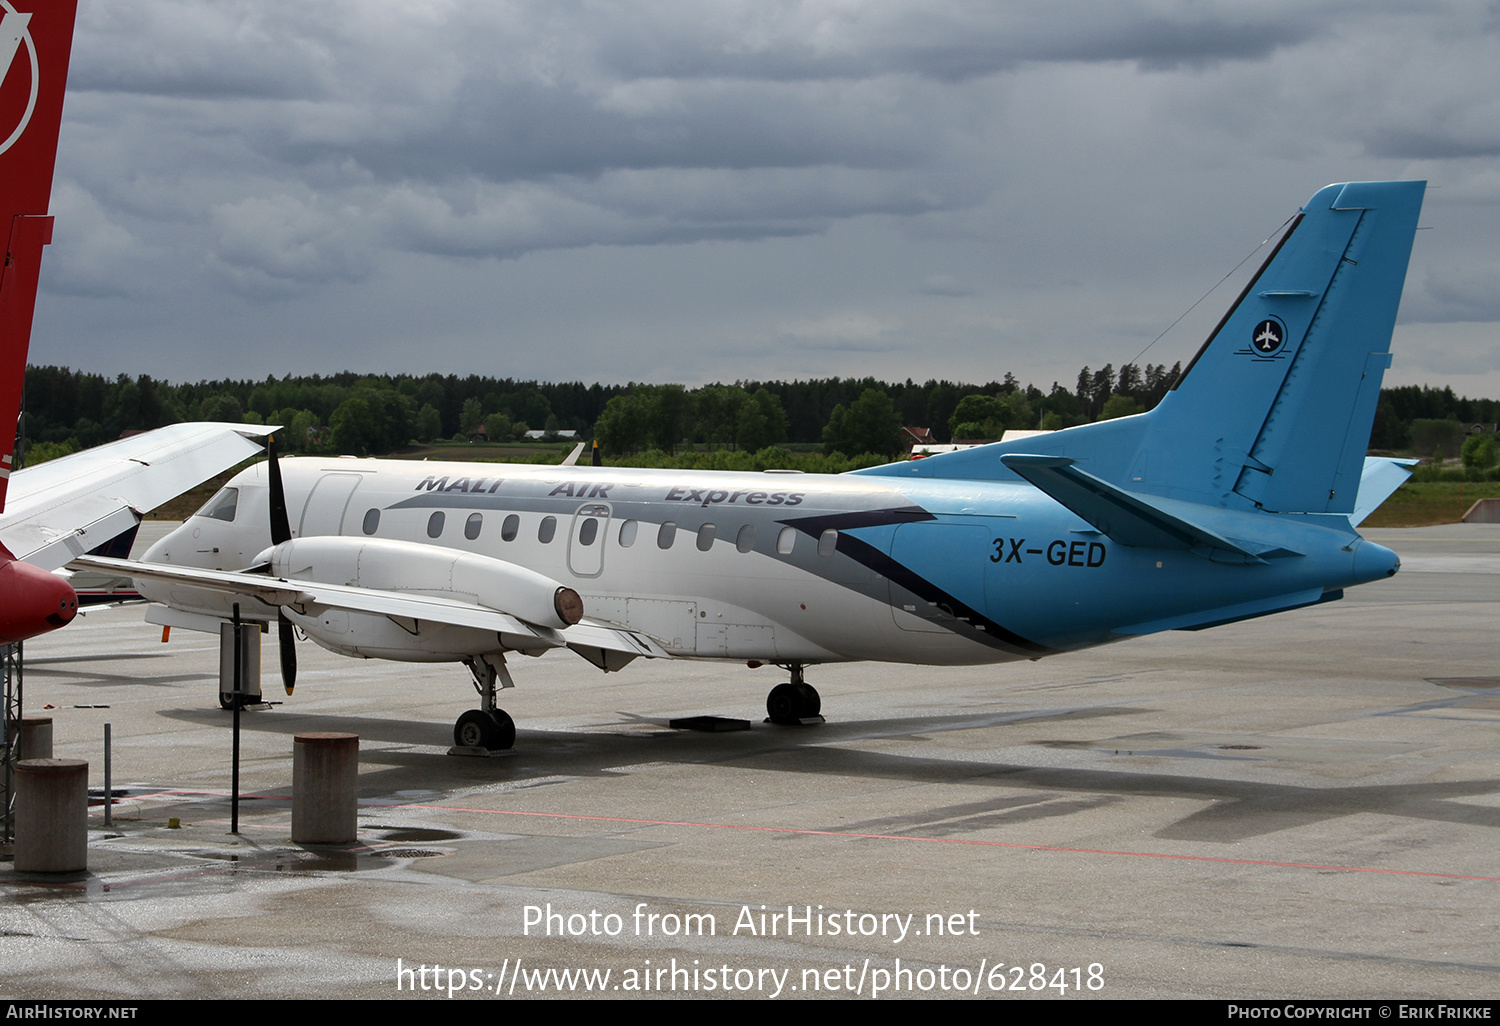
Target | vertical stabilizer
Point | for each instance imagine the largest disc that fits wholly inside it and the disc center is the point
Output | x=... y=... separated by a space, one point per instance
x=1275 y=411
x=1278 y=404
x=36 y=40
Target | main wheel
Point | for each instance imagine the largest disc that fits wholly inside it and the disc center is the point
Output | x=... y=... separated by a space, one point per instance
x=812 y=702
x=784 y=704
x=505 y=731
x=479 y=729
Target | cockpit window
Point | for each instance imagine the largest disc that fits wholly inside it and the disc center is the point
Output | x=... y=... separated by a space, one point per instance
x=221 y=506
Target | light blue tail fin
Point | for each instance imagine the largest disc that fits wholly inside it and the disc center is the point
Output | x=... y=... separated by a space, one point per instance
x=1275 y=410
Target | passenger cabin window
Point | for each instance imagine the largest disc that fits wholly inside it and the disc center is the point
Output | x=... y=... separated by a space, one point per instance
x=509 y=527
x=221 y=506
x=588 y=531
x=435 y=525
x=627 y=533
x=372 y=521
x=472 y=525
x=666 y=536
x=546 y=530
x=785 y=540
x=828 y=542
x=706 y=537
x=745 y=540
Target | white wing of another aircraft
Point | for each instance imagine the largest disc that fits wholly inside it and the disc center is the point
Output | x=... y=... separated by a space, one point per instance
x=65 y=507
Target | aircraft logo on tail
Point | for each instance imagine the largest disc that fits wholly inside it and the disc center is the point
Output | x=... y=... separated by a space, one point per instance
x=15 y=30
x=1269 y=335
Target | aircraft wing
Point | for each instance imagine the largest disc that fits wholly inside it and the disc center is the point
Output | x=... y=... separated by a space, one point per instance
x=68 y=506
x=310 y=596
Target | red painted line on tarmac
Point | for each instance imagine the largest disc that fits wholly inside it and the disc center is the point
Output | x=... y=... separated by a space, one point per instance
x=942 y=840
x=911 y=838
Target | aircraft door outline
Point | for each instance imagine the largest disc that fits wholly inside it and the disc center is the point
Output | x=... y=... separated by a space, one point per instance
x=586 y=539
x=323 y=514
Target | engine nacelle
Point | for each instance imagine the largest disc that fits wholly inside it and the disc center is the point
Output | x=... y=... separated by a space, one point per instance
x=399 y=566
x=370 y=636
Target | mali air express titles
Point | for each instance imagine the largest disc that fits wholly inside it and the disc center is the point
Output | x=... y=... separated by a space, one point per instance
x=1237 y=496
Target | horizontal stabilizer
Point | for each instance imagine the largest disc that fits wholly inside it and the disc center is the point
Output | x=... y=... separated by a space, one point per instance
x=1128 y=519
x=1378 y=481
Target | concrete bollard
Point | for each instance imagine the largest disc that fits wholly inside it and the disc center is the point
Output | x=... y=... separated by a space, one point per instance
x=52 y=816
x=34 y=734
x=325 y=773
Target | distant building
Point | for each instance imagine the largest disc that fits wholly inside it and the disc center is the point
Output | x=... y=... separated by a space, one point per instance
x=918 y=452
x=563 y=436
x=912 y=437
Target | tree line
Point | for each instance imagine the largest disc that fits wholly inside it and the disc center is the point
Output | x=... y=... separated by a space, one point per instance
x=374 y=414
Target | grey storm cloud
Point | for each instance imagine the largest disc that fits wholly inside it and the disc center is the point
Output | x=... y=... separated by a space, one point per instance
x=930 y=183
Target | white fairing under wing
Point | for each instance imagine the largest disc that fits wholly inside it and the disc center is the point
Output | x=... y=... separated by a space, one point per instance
x=66 y=507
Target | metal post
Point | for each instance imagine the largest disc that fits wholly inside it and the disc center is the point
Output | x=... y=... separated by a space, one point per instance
x=234 y=801
x=109 y=794
x=10 y=736
x=10 y=668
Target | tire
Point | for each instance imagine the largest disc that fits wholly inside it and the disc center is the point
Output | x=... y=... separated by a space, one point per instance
x=479 y=729
x=812 y=702
x=784 y=704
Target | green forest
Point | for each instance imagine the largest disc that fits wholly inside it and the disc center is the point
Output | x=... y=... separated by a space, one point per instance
x=348 y=413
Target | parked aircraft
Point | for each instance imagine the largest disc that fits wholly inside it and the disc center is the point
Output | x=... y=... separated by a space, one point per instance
x=33 y=74
x=72 y=505
x=1234 y=498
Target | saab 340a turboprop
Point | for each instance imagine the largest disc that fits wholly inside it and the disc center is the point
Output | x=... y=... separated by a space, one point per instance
x=1235 y=497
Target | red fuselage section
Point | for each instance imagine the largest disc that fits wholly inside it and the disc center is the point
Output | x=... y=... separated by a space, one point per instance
x=32 y=601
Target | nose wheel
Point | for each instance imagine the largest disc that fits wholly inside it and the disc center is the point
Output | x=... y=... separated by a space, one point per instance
x=794 y=702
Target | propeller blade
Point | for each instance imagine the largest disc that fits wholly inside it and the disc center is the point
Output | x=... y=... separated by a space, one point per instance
x=288 y=642
x=281 y=528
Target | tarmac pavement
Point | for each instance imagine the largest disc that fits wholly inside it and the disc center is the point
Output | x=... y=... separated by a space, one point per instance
x=1304 y=805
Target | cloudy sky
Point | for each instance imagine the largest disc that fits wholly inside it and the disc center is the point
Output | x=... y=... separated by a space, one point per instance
x=700 y=190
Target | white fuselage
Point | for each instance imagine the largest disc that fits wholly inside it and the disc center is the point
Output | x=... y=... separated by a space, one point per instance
x=787 y=568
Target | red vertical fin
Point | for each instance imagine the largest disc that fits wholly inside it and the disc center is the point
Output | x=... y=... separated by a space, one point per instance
x=36 y=40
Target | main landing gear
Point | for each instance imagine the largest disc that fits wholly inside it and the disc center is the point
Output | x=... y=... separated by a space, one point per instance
x=795 y=701
x=487 y=727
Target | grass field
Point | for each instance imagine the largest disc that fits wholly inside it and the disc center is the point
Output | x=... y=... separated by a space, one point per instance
x=1420 y=504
